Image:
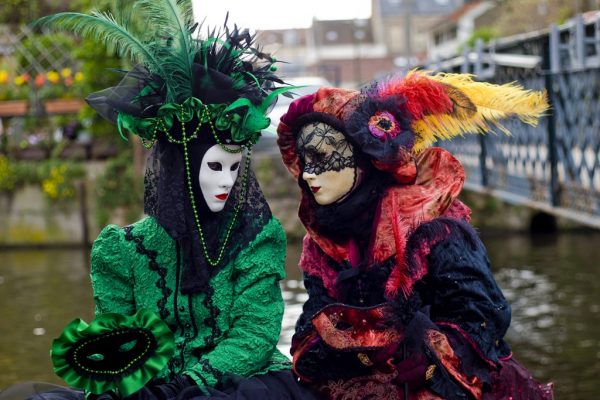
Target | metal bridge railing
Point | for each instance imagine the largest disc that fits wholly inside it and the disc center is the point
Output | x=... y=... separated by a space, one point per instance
x=555 y=166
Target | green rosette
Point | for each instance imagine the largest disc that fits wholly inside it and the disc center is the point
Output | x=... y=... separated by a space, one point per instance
x=113 y=352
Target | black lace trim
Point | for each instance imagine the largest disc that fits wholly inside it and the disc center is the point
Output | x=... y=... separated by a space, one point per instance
x=179 y=326
x=154 y=266
x=197 y=375
x=211 y=320
x=206 y=367
x=193 y=320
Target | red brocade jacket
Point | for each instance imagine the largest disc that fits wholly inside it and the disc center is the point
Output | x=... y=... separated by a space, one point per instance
x=417 y=314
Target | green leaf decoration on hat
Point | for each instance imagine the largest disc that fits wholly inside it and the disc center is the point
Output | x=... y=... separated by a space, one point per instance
x=254 y=119
x=113 y=352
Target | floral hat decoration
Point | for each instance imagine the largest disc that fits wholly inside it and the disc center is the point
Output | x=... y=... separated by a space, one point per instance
x=113 y=352
x=393 y=119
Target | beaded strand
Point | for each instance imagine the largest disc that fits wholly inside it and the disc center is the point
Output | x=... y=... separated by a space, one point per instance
x=212 y=261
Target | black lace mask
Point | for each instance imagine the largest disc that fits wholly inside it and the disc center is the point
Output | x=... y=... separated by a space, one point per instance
x=323 y=148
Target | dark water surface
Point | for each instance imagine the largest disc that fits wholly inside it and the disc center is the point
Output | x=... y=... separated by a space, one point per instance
x=552 y=283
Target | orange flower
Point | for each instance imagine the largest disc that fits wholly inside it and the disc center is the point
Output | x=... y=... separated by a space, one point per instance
x=68 y=81
x=40 y=79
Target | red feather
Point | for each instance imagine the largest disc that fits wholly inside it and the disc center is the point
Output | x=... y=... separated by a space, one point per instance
x=423 y=95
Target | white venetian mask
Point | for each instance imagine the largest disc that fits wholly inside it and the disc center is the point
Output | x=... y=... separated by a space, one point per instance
x=218 y=171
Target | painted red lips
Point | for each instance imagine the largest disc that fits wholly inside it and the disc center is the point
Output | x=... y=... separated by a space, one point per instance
x=315 y=189
x=222 y=196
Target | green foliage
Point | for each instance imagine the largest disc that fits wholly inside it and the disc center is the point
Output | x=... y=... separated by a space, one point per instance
x=56 y=178
x=7 y=175
x=485 y=33
x=512 y=17
x=563 y=14
x=119 y=187
x=17 y=12
x=97 y=68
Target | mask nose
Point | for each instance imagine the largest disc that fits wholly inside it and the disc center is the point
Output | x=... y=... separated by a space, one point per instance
x=308 y=176
x=227 y=180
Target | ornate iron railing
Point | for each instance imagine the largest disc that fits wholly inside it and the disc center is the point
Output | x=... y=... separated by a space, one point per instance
x=555 y=166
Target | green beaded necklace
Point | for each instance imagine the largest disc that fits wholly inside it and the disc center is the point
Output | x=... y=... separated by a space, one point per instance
x=213 y=262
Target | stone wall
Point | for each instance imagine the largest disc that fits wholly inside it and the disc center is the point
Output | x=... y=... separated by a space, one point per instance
x=27 y=219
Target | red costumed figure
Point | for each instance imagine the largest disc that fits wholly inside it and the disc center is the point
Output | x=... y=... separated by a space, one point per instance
x=402 y=302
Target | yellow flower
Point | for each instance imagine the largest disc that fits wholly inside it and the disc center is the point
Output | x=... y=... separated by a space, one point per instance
x=3 y=76
x=50 y=189
x=65 y=72
x=19 y=80
x=78 y=76
x=53 y=77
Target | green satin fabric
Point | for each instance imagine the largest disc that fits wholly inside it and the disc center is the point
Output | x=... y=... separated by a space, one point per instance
x=242 y=118
x=128 y=382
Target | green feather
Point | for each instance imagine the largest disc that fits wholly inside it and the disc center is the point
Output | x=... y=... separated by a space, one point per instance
x=171 y=20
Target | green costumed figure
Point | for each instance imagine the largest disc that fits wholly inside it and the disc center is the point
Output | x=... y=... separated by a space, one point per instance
x=188 y=302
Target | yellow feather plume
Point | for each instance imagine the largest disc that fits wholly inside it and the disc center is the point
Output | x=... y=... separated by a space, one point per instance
x=492 y=104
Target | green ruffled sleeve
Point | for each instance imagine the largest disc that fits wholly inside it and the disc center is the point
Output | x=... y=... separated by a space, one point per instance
x=256 y=314
x=111 y=273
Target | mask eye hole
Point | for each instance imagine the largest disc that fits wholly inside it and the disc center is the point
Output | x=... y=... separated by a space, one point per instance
x=215 y=166
x=235 y=166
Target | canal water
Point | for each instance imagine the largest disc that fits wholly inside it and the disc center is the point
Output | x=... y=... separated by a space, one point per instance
x=552 y=283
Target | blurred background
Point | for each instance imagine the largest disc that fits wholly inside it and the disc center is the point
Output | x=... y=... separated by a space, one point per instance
x=65 y=173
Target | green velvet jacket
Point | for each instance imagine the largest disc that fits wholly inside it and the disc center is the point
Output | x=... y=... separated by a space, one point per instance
x=233 y=331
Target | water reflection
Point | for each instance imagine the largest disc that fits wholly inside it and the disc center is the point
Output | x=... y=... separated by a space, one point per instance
x=40 y=292
x=552 y=285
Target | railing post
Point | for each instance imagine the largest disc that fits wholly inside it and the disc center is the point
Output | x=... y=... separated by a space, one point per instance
x=478 y=67
x=554 y=49
x=465 y=67
x=552 y=141
x=482 y=158
x=579 y=43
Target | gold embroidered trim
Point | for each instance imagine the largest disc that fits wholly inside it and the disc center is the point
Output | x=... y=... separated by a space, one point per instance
x=365 y=359
x=429 y=372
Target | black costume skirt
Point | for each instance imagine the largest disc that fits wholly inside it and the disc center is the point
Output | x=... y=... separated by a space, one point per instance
x=278 y=385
